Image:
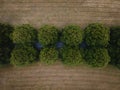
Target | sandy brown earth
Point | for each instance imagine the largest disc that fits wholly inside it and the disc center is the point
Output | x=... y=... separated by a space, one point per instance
x=60 y=12
x=59 y=77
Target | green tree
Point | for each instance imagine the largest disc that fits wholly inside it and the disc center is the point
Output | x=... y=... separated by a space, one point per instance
x=24 y=34
x=97 y=57
x=72 y=35
x=71 y=56
x=48 y=35
x=97 y=35
x=48 y=55
x=23 y=55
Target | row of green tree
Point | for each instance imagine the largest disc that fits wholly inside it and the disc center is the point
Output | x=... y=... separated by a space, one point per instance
x=97 y=45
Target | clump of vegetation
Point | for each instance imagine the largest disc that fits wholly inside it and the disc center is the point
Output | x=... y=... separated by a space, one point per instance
x=71 y=56
x=115 y=55
x=6 y=44
x=97 y=57
x=24 y=34
x=48 y=55
x=114 y=46
x=97 y=35
x=5 y=32
x=23 y=55
x=48 y=35
x=72 y=35
x=118 y=63
x=115 y=36
x=4 y=55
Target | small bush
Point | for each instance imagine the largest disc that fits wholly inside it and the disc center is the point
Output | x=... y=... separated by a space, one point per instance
x=97 y=57
x=24 y=34
x=115 y=36
x=114 y=53
x=4 y=55
x=118 y=64
x=97 y=35
x=114 y=46
x=23 y=55
x=48 y=55
x=72 y=35
x=71 y=56
x=48 y=35
x=6 y=44
x=5 y=32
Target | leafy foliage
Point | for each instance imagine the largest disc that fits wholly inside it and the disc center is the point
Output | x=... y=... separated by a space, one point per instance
x=97 y=35
x=72 y=35
x=118 y=64
x=5 y=32
x=48 y=35
x=24 y=34
x=48 y=55
x=5 y=43
x=71 y=56
x=23 y=55
x=114 y=53
x=115 y=36
x=4 y=55
x=97 y=57
x=114 y=46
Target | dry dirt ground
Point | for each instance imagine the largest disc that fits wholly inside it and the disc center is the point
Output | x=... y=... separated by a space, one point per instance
x=59 y=77
x=59 y=13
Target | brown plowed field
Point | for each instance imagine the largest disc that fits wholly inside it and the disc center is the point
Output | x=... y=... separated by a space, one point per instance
x=59 y=13
x=59 y=77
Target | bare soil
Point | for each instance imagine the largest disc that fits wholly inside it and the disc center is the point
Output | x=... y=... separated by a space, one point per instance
x=59 y=13
x=59 y=77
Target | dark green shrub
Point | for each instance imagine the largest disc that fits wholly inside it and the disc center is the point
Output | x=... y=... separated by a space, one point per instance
x=118 y=64
x=115 y=36
x=24 y=34
x=48 y=35
x=72 y=35
x=6 y=44
x=71 y=56
x=97 y=35
x=48 y=55
x=97 y=57
x=114 y=53
x=4 y=55
x=5 y=32
x=23 y=55
x=114 y=46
